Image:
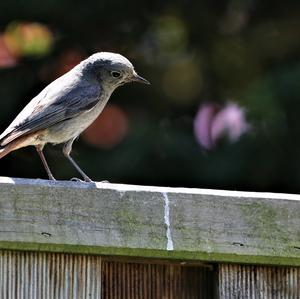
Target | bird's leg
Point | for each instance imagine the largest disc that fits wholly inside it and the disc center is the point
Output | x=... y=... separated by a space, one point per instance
x=39 y=149
x=66 y=151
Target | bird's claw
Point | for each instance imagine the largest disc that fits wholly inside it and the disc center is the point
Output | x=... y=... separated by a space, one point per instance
x=76 y=180
x=86 y=180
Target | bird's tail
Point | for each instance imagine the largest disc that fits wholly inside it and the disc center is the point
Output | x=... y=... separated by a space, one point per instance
x=15 y=144
x=6 y=150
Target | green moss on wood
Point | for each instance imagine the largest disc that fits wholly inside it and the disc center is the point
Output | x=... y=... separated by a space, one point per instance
x=261 y=218
x=148 y=253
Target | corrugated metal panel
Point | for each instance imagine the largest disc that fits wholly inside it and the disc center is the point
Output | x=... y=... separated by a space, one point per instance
x=32 y=275
x=255 y=282
x=122 y=280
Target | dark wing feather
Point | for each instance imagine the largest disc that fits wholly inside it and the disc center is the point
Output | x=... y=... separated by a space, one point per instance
x=46 y=113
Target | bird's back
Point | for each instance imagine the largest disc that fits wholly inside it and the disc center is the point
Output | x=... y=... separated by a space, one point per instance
x=53 y=104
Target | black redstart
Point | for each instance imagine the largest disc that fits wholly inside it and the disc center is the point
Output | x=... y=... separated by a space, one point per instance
x=67 y=106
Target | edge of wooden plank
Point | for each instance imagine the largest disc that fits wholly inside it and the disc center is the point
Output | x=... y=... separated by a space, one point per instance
x=151 y=253
x=127 y=187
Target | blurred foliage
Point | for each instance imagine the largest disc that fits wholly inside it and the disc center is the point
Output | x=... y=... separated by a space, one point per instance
x=29 y=39
x=222 y=110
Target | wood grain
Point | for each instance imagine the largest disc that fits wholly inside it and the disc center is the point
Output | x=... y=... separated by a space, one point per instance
x=144 y=221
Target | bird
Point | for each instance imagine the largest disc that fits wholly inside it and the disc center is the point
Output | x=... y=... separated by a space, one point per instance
x=68 y=105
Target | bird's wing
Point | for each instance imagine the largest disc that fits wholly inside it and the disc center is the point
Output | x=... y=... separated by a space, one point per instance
x=50 y=107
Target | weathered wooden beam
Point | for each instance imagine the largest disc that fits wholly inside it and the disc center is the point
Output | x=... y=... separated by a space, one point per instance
x=41 y=275
x=158 y=222
x=248 y=282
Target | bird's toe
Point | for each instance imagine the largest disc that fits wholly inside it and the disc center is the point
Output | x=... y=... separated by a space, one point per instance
x=76 y=180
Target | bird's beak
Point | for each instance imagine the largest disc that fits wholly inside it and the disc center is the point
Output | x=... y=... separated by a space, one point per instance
x=139 y=79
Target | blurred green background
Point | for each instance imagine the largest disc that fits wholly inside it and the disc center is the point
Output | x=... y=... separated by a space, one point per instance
x=223 y=108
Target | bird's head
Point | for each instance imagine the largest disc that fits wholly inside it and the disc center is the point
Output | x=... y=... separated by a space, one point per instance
x=110 y=69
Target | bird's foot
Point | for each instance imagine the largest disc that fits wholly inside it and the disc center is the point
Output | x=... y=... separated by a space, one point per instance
x=86 y=180
x=76 y=180
x=104 y=182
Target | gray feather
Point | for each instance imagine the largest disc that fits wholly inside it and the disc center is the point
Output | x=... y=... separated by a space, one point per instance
x=66 y=97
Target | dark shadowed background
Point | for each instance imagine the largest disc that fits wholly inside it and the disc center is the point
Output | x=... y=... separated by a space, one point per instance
x=223 y=108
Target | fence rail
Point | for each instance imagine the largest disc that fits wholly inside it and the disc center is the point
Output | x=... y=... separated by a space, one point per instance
x=150 y=222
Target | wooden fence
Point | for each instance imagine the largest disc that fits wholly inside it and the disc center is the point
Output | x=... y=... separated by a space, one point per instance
x=101 y=240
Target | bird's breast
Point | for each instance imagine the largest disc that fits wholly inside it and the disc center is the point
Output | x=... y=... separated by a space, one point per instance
x=72 y=127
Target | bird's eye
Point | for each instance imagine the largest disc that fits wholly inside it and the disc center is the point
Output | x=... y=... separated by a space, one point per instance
x=116 y=74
